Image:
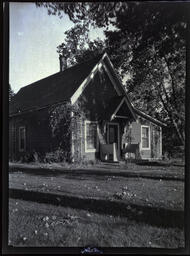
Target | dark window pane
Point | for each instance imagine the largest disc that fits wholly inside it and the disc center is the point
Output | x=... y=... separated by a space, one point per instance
x=91 y=135
x=22 y=138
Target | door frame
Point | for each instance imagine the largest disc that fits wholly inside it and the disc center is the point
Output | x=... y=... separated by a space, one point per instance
x=118 y=135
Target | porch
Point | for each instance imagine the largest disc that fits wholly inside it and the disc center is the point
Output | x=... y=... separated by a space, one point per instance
x=122 y=140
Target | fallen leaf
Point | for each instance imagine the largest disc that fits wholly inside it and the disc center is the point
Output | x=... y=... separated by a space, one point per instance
x=46 y=218
x=47 y=225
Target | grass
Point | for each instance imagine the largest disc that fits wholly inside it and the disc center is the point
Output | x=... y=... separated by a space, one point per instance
x=33 y=224
x=99 y=208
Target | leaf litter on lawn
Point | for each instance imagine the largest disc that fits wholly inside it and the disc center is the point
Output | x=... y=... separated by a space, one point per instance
x=55 y=220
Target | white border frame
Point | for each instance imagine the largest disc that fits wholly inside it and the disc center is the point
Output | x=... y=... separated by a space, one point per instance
x=145 y=126
x=85 y=136
x=118 y=133
x=19 y=146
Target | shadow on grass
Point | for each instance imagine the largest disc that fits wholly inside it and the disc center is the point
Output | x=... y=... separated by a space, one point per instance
x=82 y=174
x=155 y=163
x=153 y=216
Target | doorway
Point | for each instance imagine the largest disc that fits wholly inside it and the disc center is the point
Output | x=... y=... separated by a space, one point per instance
x=113 y=136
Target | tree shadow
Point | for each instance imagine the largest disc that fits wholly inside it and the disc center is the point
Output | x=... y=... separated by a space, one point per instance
x=82 y=174
x=156 y=163
x=159 y=217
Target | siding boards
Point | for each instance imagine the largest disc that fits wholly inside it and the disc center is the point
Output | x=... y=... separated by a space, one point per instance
x=135 y=133
x=38 y=134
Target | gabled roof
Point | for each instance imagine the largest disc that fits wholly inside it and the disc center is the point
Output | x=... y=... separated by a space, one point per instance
x=151 y=119
x=115 y=105
x=68 y=85
x=123 y=102
x=53 y=89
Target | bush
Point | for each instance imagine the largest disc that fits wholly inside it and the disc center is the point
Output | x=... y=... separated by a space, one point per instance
x=57 y=156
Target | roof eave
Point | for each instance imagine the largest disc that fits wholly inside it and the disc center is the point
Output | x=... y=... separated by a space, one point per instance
x=121 y=86
x=144 y=115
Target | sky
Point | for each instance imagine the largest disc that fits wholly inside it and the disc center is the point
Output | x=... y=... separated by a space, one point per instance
x=34 y=37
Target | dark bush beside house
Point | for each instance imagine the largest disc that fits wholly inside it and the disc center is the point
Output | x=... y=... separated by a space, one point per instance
x=81 y=114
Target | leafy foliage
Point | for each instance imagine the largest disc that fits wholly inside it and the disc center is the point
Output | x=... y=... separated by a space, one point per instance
x=63 y=120
x=77 y=46
x=11 y=93
x=147 y=48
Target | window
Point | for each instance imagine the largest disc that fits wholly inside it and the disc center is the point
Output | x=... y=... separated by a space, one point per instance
x=22 y=139
x=90 y=136
x=145 y=137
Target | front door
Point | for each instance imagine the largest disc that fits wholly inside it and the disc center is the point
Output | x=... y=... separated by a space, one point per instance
x=113 y=136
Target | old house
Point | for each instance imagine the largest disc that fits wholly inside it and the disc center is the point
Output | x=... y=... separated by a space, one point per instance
x=108 y=127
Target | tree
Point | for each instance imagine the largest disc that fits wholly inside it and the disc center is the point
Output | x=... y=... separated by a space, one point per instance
x=77 y=46
x=159 y=64
x=11 y=93
x=64 y=118
x=148 y=45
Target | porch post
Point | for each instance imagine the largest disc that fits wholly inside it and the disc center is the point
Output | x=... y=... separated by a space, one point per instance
x=115 y=157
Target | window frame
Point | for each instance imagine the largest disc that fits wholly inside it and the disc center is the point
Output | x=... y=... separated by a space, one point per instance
x=145 y=148
x=19 y=139
x=91 y=150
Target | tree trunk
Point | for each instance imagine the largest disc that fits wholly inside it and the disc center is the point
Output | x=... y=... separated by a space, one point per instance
x=180 y=136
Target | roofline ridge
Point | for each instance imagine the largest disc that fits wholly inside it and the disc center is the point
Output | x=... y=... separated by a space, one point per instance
x=39 y=80
x=149 y=116
x=60 y=72
x=83 y=62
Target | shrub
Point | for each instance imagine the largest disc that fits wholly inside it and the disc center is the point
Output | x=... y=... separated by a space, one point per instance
x=57 y=156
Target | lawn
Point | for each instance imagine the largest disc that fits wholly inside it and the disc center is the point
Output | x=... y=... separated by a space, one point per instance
x=97 y=206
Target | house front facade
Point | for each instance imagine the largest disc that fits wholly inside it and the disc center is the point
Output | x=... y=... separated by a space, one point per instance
x=108 y=127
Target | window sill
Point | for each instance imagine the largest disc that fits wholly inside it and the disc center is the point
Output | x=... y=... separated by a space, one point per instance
x=145 y=148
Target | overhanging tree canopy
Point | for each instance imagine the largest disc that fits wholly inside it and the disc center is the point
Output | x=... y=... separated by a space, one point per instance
x=148 y=44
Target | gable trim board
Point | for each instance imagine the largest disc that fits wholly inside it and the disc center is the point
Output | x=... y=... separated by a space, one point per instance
x=124 y=117
x=111 y=79
x=87 y=80
x=147 y=117
x=118 y=107
x=121 y=86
